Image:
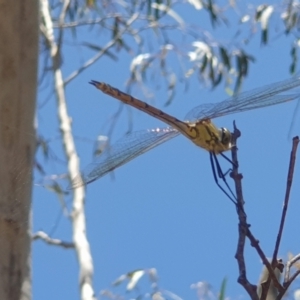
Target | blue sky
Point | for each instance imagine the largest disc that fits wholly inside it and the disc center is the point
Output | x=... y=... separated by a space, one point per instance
x=163 y=209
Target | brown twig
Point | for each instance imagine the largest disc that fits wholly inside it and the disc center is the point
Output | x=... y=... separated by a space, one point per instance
x=266 y=285
x=272 y=276
x=287 y=281
x=287 y=196
x=287 y=284
x=244 y=230
x=243 y=226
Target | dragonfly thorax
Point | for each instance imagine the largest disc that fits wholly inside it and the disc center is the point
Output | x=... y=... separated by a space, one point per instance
x=209 y=137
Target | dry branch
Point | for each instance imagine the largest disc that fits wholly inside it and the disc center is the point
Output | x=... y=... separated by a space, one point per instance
x=40 y=235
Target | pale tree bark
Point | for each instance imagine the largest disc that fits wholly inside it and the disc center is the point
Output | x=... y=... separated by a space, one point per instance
x=81 y=243
x=18 y=82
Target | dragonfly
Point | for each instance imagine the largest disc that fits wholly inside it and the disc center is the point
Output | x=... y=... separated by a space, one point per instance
x=198 y=127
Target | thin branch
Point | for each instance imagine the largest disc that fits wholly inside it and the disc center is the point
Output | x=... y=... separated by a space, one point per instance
x=66 y=4
x=41 y=235
x=266 y=285
x=84 y=23
x=81 y=243
x=268 y=265
x=243 y=226
x=103 y=51
x=244 y=229
x=63 y=12
x=287 y=285
x=287 y=281
x=287 y=195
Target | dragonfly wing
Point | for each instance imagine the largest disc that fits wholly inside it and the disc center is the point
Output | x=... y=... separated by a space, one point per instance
x=260 y=97
x=126 y=149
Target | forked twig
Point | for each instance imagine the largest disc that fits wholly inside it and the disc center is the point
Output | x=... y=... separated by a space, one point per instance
x=243 y=226
x=244 y=231
x=266 y=285
x=287 y=281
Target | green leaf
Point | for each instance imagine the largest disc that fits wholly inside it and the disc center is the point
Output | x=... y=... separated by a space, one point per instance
x=294 y=56
x=134 y=277
x=99 y=48
x=225 y=57
x=171 y=88
x=212 y=13
x=204 y=64
x=211 y=71
x=149 y=7
x=119 y=280
x=218 y=79
x=223 y=288
x=115 y=30
x=156 y=11
x=264 y=36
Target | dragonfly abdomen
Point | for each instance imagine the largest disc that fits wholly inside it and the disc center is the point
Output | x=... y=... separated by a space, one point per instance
x=183 y=127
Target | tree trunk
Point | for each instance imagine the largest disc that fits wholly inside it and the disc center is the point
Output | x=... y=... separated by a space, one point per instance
x=18 y=81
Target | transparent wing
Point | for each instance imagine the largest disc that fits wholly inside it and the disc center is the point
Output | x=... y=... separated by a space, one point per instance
x=126 y=149
x=260 y=97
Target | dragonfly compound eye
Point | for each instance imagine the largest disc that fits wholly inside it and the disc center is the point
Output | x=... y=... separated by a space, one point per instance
x=225 y=135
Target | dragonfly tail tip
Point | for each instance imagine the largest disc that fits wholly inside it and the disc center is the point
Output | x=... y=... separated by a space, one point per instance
x=94 y=82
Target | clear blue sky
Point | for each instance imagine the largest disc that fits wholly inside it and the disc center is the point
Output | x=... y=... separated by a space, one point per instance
x=163 y=209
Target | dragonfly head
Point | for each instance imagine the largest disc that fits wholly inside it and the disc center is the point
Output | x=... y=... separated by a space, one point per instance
x=225 y=138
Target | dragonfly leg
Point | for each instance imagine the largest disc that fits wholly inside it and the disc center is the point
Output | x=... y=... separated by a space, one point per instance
x=216 y=166
x=221 y=174
x=229 y=160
